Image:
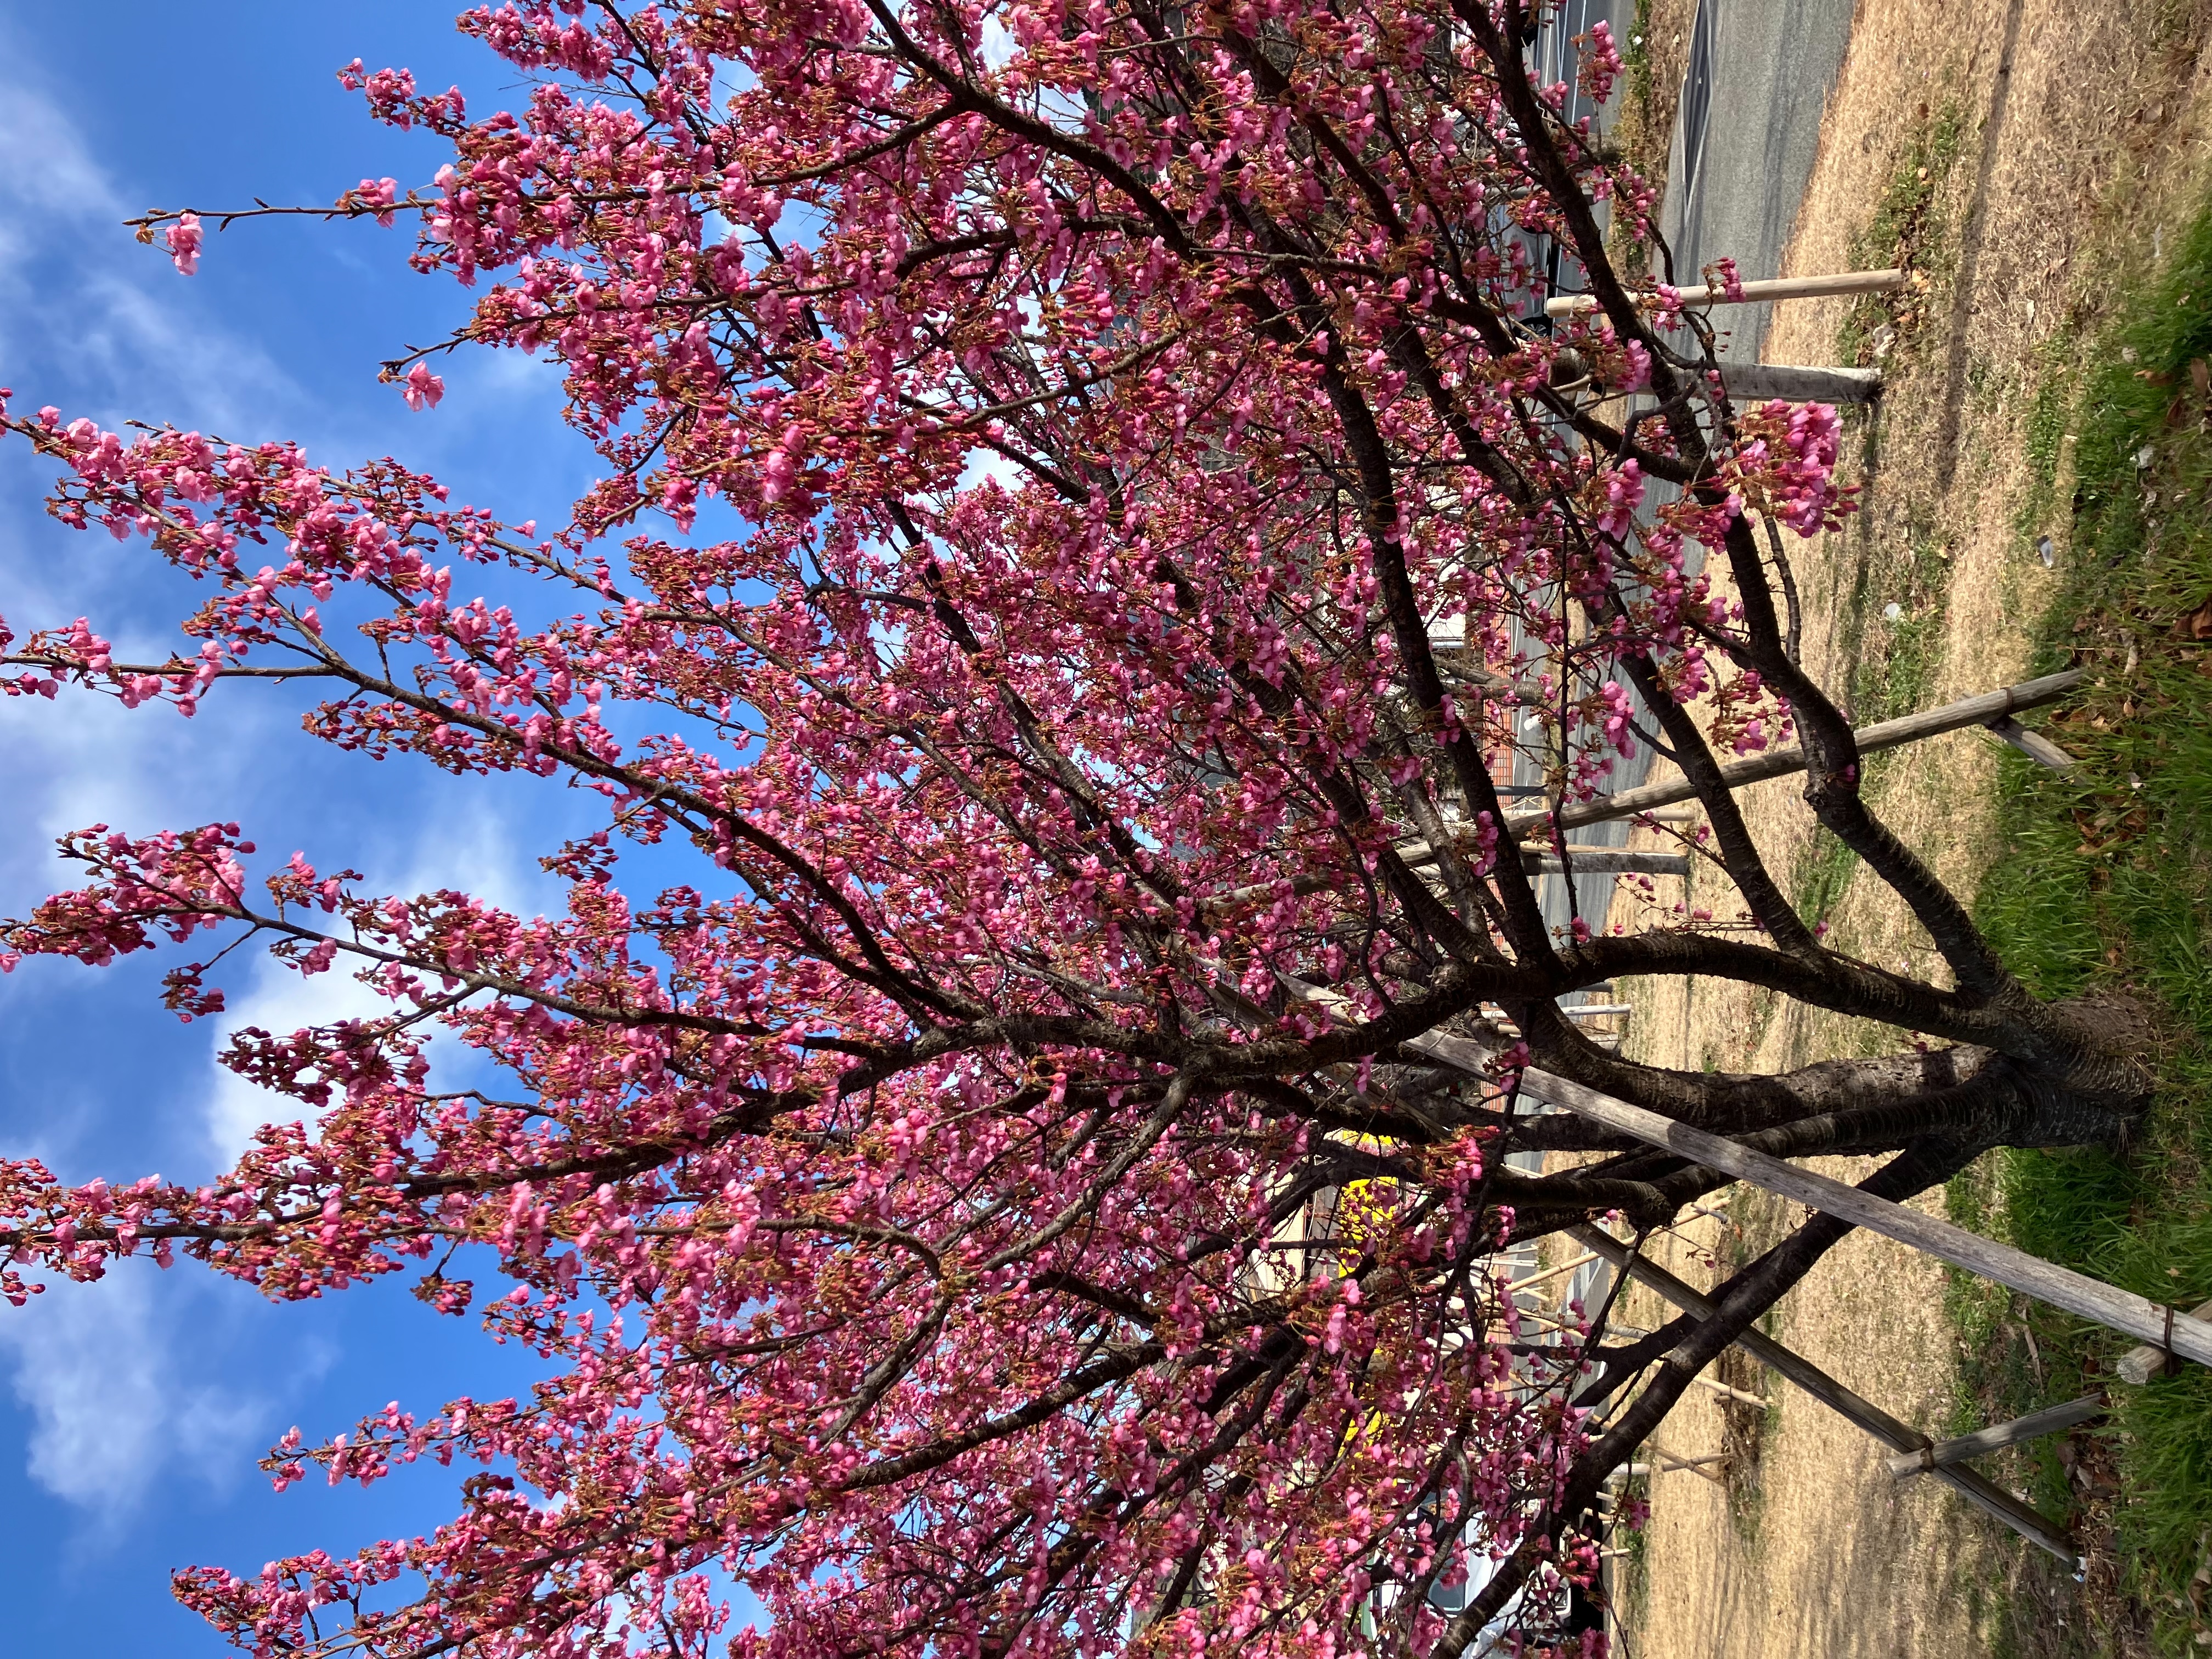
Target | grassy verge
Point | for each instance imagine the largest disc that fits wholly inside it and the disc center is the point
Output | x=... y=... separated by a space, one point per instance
x=1890 y=614
x=1908 y=230
x=2104 y=888
x=1892 y=627
x=1643 y=125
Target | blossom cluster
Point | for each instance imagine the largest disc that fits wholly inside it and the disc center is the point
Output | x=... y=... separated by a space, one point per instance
x=1158 y=518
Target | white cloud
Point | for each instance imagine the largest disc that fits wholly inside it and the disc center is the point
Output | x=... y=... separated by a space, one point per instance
x=505 y=374
x=85 y=759
x=138 y=337
x=90 y=321
x=70 y=279
x=473 y=851
x=119 y=1395
x=58 y=178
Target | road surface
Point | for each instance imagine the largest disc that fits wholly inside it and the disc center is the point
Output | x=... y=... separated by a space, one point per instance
x=1744 y=149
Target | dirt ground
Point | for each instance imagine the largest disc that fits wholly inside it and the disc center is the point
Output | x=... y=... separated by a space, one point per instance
x=2063 y=141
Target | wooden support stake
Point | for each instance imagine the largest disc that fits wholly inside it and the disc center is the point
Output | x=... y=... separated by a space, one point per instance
x=1983 y=1493
x=2033 y=744
x=1772 y=288
x=1758 y=382
x=1587 y=861
x=2139 y=1365
x=2163 y=1327
x=1606 y=861
x=1780 y=762
x=2077 y=1293
x=1995 y=1437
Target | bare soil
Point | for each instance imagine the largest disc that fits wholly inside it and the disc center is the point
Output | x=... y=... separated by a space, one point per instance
x=2062 y=140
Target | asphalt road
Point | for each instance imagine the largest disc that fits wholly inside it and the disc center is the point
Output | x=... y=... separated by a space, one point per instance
x=1733 y=187
x=1743 y=152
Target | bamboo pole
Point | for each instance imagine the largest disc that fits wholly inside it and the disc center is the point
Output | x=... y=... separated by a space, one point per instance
x=1984 y=1494
x=1674 y=1460
x=1534 y=1279
x=1996 y=1436
x=1753 y=293
x=1727 y=1393
x=1669 y=1464
x=1982 y=710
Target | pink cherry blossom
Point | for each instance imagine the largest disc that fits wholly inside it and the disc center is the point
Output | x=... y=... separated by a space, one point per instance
x=183 y=240
x=422 y=389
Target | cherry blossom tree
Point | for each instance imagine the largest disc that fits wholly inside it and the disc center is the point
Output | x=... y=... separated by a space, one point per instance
x=1089 y=509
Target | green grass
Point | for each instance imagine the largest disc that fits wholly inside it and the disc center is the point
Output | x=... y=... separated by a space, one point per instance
x=1632 y=1581
x=1821 y=877
x=1897 y=677
x=2105 y=886
x=1637 y=58
x=2050 y=407
x=1896 y=659
x=1905 y=230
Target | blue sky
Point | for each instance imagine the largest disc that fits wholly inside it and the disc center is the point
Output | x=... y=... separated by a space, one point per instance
x=131 y=1411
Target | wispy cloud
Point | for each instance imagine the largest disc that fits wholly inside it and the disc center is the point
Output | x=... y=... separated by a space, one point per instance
x=473 y=851
x=84 y=322
x=129 y=327
x=117 y=333
x=121 y=1395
